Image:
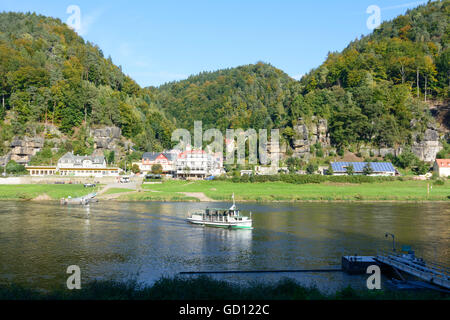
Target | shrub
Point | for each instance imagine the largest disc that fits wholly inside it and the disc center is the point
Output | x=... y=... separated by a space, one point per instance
x=157 y=169
x=16 y=169
x=311 y=169
x=319 y=153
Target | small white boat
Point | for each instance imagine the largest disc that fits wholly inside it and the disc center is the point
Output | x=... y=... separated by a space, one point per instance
x=221 y=218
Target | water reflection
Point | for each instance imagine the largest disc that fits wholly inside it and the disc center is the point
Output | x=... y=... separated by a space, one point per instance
x=114 y=240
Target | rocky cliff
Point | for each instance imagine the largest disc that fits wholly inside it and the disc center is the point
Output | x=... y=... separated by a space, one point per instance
x=425 y=146
x=308 y=134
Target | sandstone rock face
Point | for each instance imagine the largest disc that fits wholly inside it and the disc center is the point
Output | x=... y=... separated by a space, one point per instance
x=106 y=139
x=429 y=146
x=310 y=134
x=22 y=149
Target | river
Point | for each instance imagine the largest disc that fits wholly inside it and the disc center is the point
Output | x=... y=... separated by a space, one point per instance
x=147 y=240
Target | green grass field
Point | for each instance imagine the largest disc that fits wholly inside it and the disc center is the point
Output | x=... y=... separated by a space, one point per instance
x=117 y=190
x=281 y=191
x=54 y=191
x=267 y=191
x=156 y=196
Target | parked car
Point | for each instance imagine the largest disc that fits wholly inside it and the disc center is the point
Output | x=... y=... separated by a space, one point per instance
x=125 y=180
x=90 y=185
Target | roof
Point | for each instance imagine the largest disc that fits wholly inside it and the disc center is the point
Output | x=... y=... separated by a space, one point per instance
x=185 y=154
x=443 y=163
x=79 y=159
x=359 y=166
x=150 y=155
x=153 y=155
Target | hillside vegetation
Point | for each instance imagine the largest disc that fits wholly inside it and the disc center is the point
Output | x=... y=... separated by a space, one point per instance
x=375 y=92
x=51 y=75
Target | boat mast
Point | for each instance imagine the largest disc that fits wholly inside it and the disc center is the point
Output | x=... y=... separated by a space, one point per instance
x=233 y=207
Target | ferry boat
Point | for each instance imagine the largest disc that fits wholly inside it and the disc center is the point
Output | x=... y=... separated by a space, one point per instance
x=221 y=218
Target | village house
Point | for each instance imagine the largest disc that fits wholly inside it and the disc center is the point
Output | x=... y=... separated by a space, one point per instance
x=198 y=164
x=442 y=167
x=84 y=166
x=167 y=161
x=74 y=165
x=378 y=168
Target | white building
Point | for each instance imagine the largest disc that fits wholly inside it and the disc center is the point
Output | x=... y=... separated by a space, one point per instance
x=378 y=168
x=167 y=161
x=198 y=164
x=84 y=166
x=442 y=167
x=39 y=171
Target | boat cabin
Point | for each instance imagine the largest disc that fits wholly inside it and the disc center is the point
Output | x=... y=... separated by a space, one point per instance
x=222 y=212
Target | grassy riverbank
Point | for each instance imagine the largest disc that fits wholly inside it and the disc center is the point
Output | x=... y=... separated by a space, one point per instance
x=204 y=288
x=45 y=191
x=281 y=191
x=397 y=190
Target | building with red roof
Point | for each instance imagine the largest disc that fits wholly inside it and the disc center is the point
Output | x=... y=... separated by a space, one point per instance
x=442 y=167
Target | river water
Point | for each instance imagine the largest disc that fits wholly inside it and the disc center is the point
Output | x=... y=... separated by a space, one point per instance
x=147 y=240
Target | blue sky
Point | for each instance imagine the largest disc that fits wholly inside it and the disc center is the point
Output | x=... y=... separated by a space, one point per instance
x=160 y=41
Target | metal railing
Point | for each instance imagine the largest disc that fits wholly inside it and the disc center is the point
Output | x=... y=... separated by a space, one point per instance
x=429 y=271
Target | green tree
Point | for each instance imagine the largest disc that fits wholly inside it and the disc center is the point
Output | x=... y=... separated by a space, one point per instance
x=330 y=170
x=111 y=157
x=16 y=169
x=367 y=170
x=135 y=169
x=311 y=169
x=350 y=170
x=157 y=169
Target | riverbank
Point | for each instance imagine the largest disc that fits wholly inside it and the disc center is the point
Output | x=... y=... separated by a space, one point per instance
x=43 y=192
x=204 y=288
x=390 y=191
x=386 y=191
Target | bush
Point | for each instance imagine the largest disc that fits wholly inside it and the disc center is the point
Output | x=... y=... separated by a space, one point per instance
x=157 y=169
x=319 y=153
x=307 y=179
x=16 y=169
x=311 y=169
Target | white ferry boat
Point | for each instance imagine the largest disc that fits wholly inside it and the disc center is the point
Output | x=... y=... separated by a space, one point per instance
x=221 y=218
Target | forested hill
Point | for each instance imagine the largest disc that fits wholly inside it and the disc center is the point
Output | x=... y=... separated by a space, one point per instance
x=374 y=88
x=255 y=96
x=375 y=92
x=48 y=74
x=369 y=92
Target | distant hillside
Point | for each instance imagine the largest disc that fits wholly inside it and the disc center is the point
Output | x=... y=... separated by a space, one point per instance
x=256 y=96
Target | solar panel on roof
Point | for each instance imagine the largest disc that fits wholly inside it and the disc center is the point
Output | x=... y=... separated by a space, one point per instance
x=359 y=166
